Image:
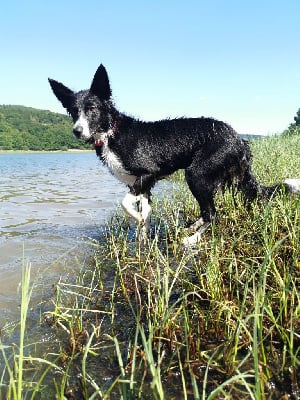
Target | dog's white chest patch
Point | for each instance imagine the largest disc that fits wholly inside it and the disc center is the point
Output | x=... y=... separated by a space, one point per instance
x=116 y=167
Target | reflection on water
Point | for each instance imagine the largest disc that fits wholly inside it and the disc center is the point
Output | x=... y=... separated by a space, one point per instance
x=49 y=203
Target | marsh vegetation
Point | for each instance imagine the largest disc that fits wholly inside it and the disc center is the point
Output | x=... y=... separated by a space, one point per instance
x=155 y=321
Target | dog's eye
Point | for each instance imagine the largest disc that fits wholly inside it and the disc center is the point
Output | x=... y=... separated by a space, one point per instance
x=90 y=108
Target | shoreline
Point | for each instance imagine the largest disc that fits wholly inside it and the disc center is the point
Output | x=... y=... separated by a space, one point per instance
x=44 y=151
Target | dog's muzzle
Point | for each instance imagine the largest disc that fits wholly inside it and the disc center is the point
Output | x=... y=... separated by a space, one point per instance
x=78 y=133
x=77 y=130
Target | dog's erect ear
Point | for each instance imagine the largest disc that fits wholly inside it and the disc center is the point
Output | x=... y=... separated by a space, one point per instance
x=63 y=93
x=100 y=85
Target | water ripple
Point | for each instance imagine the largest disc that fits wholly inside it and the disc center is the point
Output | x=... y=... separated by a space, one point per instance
x=48 y=203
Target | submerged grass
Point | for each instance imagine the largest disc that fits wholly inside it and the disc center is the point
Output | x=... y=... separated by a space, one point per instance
x=154 y=321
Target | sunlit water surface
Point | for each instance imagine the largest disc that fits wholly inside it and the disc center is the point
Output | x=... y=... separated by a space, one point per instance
x=51 y=204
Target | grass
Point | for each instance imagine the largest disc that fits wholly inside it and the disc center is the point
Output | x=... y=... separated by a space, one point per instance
x=154 y=321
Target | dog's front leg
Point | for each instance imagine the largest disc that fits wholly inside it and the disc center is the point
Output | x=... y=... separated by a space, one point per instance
x=138 y=207
x=145 y=210
x=129 y=204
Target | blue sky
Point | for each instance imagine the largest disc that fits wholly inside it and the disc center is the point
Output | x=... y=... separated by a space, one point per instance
x=238 y=61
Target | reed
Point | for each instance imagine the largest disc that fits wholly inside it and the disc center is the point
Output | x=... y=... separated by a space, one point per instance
x=13 y=356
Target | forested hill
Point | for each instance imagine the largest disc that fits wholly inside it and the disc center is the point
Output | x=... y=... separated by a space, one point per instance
x=25 y=128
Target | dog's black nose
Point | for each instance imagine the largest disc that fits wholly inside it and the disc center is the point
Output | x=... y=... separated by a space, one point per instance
x=77 y=130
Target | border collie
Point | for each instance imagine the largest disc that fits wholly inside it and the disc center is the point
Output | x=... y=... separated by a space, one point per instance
x=140 y=153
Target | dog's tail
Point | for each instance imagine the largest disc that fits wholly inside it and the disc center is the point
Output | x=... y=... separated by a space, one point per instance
x=252 y=189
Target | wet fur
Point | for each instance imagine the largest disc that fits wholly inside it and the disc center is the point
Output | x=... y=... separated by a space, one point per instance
x=140 y=153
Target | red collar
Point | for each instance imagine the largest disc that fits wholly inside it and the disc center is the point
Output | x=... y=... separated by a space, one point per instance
x=100 y=142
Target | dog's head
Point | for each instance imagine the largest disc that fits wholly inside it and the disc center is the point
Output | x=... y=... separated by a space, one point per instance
x=89 y=109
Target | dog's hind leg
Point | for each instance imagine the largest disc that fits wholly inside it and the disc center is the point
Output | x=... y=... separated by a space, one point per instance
x=196 y=237
x=202 y=187
x=196 y=225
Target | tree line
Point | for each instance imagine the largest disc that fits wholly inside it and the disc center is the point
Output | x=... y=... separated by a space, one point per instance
x=26 y=128
x=297 y=119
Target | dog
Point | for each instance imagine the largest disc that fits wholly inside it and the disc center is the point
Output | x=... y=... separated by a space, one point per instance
x=140 y=153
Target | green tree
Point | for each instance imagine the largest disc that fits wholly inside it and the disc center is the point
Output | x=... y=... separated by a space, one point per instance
x=294 y=128
x=24 y=128
x=297 y=118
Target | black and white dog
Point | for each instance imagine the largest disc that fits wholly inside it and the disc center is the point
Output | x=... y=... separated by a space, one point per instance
x=140 y=153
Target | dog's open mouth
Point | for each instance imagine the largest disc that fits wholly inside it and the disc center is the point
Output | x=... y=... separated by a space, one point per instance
x=91 y=140
x=96 y=140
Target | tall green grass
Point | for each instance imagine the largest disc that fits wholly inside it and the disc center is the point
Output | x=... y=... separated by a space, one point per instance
x=14 y=370
x=19 y=367
x=155 y=321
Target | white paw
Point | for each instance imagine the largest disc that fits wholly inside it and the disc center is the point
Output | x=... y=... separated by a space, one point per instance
x=192 y=240
x=195 y=226
x=196 y=237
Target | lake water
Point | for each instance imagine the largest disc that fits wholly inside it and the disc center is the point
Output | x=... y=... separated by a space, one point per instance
x=50 y=205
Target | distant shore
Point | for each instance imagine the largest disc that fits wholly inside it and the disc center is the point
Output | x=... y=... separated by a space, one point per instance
x=44 y=151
